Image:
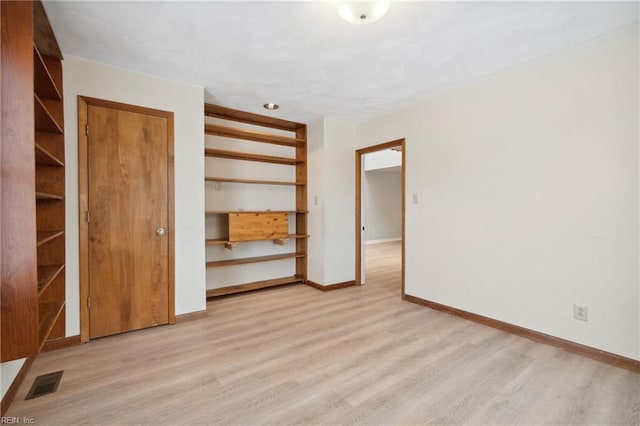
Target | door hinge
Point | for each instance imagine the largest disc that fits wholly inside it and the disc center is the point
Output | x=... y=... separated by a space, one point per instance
x=89 y=302
x=86 y=130
x=87 y=216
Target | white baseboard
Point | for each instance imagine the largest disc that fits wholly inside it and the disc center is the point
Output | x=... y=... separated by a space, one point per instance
x=384 y=240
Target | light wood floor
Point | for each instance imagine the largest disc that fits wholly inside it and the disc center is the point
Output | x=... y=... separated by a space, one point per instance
x=360 y=355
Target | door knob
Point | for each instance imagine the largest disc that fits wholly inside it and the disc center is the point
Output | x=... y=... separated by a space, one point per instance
x=160 y=232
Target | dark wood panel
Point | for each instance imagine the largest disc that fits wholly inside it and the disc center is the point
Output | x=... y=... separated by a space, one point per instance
x=46 y=236
x=52 y=145
x=19 y=319
x=43 y=35
x=45 y=86
x=49 y=314
x=46 y=275
x=44 y=120
x=45 y=158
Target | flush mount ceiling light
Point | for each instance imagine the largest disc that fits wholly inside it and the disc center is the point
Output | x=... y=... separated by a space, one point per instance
x=362 y=12
x=271 y=106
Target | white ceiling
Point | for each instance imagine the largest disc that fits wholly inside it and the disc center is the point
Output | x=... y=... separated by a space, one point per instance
x=302 y=56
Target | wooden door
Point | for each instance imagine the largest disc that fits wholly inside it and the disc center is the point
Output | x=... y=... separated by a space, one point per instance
x=128 y=219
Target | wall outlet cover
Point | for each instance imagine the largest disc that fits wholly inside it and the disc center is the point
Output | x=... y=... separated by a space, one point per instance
x=580 y=312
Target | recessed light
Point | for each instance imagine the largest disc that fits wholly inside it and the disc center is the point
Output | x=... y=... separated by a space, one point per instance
x=271 y=106
x=362 y=12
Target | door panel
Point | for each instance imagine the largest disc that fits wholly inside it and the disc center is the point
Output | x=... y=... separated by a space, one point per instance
x=127 y=203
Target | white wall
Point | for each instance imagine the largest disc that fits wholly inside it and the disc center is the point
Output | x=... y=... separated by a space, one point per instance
x=315 y=201
x=382 y=159
x=331 y=179
x=528 y=193
x=8 y=372
x=186 y=101
x=382 y=204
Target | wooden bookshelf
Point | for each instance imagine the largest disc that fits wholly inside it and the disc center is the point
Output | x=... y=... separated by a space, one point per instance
x=46 y=236
x=222 y=241
x=46 y=158
x=46 y=275
x=256 y=259
x=44 y=84
x=252 y=181
x=249 y=135
x=254 y=286
x=254 y=211
x=44 y=120
x=236 y=155
x=49 y=314
x=263 y=225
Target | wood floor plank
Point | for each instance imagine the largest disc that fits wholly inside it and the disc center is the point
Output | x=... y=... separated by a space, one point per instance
x=360 y=355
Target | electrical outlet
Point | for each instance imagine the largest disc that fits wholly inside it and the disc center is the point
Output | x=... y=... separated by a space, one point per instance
x=415 y=198
x=217 y=186
x=580 y=312
x=315 y=200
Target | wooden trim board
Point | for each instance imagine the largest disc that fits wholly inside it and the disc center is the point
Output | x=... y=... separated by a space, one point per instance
x=330 y=287
x=191 y=316
x=224 y=113
x=13 y=389
x=586 y=351
x=240 y=288
x=64 y=342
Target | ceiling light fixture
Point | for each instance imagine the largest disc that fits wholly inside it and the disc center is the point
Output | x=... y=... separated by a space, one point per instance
x=362 y=12
x=271 y=106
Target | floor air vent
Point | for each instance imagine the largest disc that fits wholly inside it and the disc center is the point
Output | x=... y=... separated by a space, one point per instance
x=45 y=384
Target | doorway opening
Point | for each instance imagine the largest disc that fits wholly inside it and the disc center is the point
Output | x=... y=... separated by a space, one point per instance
x=380 y=215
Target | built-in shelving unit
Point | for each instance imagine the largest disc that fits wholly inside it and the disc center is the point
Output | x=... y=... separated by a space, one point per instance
x=240 y=227
x=50 y=178
x=33 y=193
x=253 y=181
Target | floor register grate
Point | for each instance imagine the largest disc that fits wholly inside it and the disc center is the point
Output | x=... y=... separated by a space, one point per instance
x=45 y=384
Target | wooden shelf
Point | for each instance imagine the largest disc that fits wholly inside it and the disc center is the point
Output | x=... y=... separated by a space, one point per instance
x=45 y=158
x=224 y=113
x=250 y=135
x=252 y=181
x=45 y=196
x=46 y=236
x=254 y=211
x=44 y=86
x=253 y=286
x=46 y=275
x=235 y=155
x=221 y=241
x=44 y=121
x=49 y=313
x=258 y=259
